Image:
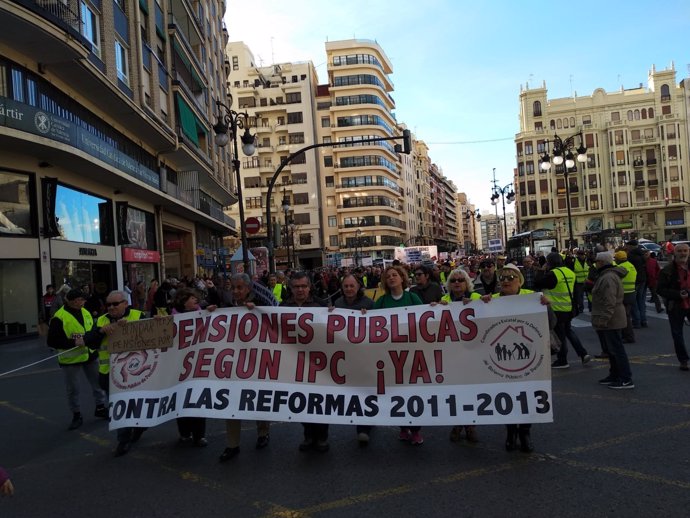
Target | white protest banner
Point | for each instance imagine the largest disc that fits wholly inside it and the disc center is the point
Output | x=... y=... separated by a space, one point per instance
x=480 y=363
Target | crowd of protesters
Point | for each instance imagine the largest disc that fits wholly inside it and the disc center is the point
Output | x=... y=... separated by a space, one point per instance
x=611 y=285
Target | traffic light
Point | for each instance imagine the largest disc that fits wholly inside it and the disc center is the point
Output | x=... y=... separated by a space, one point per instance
x=407 y=141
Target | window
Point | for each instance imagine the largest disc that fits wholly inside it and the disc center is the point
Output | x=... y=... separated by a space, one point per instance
x=544 y=186
x=300 y=198
x=79 y=216
x=253 y=202
x=328 y=162
x=533 y=208
x=635 y=135
x=572 y=122
x=666 y=109
x=672 y=152
x=333 y=240
x=280 y=121
x=330 y=182
x=586 y=119
x=296 y=138
x=594 y=202
x=665 y=93
x=530 y=167
x=326 y=140
x=531 y=187
x=538 y=126
x=618 y=137
x=332 y=221
x=615 y=116
x=305 y=239
x=528 y=148
x=299 y=178
x=294 y=117
x=235 y=63
x=630 y=115
x=325 y=122
x=302 y=219
x=293 y=98
x=536 y=109
x=545 y=207
x=121 y=62
x=15 y=204
x=90 y=27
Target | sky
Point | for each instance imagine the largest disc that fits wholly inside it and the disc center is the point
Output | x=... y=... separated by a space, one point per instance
x=458 y=65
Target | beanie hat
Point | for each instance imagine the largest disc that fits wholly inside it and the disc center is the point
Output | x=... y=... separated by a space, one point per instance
x=605 y=257
x=620 y=256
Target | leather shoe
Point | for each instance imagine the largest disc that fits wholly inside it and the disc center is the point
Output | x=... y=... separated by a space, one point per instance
x=122 y=448
x=526 y=445
x=262 y=441
x=229 y=453
x=77 y=421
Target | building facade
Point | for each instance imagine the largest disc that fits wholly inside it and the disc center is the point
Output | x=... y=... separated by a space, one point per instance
x=633 y=182
x=108 y=169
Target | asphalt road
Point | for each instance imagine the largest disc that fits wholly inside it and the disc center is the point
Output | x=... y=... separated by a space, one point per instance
x=608 y=453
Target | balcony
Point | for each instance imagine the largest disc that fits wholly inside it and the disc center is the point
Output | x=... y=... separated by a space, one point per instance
x=651 y=161
x=639 y=184
x=638 y=162
x=653 y=182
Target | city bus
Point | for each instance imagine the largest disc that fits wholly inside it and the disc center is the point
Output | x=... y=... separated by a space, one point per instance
x=531 y=242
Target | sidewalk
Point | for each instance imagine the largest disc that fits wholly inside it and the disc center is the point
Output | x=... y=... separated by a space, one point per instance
x=25 y=352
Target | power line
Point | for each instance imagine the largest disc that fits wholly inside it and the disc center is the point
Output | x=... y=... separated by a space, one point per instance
x=460 y=142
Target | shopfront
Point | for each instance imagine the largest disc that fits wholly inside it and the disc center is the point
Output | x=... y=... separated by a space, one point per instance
x=140 y=257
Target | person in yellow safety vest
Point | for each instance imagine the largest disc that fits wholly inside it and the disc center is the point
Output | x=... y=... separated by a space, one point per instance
x=66 y=333
x=279 y=291
x=118 y=313
x=621 y=259
x=581 y=269
x=558 y=283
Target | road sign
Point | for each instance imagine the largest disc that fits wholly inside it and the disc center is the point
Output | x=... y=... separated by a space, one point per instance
x=252 y=225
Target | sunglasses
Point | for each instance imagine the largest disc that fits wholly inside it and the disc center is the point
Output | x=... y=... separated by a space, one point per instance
x=456 y=280
x=113 y=304
x=503 y=278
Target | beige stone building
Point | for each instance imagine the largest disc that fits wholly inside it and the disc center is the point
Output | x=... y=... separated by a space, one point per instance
x=108 y=168
x=634 y=181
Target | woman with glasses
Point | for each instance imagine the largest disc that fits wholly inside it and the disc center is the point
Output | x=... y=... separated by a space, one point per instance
x=459 y=289
x=192 y=429
x=510 y=282
x=396 y=296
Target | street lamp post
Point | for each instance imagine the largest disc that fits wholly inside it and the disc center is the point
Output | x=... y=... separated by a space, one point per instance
x=232 y=121
x=294 y=262
x=506 y=195
x=473 y=215
x=286 y=211
x=563 y=155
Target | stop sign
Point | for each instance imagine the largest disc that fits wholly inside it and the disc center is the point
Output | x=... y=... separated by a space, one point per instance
x=252 y=225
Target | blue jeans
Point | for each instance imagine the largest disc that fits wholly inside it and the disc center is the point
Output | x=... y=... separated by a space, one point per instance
x=639 y=309
x=619 y=366
x=676 y=319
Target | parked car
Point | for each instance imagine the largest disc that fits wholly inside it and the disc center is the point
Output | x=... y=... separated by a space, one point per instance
x=649 y=245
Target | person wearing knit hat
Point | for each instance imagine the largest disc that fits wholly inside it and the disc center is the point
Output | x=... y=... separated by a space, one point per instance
x=608 y=318
x=558 y=284
x=620 y=256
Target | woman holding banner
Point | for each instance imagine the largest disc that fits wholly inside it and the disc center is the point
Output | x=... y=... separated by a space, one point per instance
x=353 y=297
x=510 y=281
x=459 y=289
x=395 y=284
x=192 y=429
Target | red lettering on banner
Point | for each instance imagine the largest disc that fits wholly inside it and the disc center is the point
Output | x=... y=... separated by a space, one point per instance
x=201 y=330
x=299 y=368
x=245 y=369
x=304 y=322
x=377 y=329
x=357 y=329
x=423 y=319
x=247 y=335
x=446 y=328
x=399 y=359
x=335 y=375
x=270 y=328
x=222 y=368
x=317 y=362
x=202 y=361
x=184 y=333
x=420 y=369
x=334 y=324
x=466 y=320
x=287 y=328
x=396 y=336
x=186 y=365
x=218 y=328
x=269 y=364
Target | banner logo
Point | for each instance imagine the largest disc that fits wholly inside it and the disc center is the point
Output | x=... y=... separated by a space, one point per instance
x=131 y=369
x=513 y=348
x=42 y=122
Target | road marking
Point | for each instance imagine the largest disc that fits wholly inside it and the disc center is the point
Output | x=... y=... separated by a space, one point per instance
x=627 y=438
x=631 y=400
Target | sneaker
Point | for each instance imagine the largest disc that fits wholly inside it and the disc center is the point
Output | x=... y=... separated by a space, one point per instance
x=405 y=434
x=363 y=438
x=229 y=453
x=608 y=380
x=471 y=434
x=321 y=446
x=77 y=421
x=306 y=444
x=416 y=438
x=101 y=411
x=586 y=359
x=622 y=385
x=560 y=365
x=201 y=443
x=262 y=441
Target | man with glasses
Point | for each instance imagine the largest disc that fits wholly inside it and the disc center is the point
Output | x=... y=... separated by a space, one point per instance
x=66 y=333
x=425 y=288
x=315 y=434
x=486 y=282
x=118 y=313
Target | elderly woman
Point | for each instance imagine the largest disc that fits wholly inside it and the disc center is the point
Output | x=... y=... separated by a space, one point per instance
x=191 y=429
x=459 y=289
x=394 y=285
x=510 y=282
x=243 y=295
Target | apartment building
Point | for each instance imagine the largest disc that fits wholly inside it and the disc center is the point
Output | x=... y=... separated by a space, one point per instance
x=634 y=182
x=469 y=236
x=108 y=167
x=280 y=101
